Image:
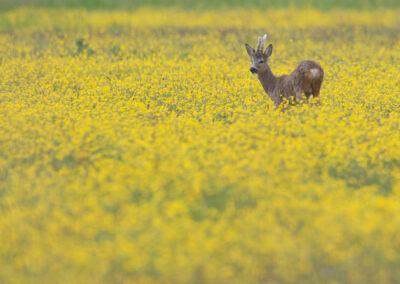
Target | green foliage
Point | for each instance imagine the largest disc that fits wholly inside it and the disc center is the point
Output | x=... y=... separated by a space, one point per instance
x=201 y=4
x=83 y=47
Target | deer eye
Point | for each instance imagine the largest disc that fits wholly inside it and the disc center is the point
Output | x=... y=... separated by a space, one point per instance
x=262 y=61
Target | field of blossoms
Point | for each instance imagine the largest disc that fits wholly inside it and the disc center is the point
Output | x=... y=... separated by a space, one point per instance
x=136 y=147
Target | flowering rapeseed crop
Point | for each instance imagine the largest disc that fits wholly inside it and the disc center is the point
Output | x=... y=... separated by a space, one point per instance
x=137 y=147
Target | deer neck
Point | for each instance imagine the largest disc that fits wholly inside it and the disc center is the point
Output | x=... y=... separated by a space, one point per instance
x=268 y=80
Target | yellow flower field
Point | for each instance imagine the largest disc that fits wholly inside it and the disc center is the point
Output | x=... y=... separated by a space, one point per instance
x=136 y=147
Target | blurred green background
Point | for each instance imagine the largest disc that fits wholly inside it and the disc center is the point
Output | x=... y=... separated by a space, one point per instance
x=203 y=4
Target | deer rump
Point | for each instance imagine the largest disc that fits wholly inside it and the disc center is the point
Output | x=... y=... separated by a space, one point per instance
x=306 y=78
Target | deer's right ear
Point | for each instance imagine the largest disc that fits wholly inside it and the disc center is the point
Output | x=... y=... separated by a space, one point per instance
x=250 y=50
x=268 y=51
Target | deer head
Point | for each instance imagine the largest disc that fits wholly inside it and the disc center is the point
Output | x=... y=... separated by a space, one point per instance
x=259 y=57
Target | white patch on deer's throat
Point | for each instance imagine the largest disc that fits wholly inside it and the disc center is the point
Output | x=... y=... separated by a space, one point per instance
x=314 y=72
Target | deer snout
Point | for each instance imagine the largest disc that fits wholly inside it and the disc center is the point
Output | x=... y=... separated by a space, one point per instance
x=253 y=70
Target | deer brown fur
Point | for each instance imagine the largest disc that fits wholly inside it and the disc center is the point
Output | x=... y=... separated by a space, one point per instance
x=306 y=78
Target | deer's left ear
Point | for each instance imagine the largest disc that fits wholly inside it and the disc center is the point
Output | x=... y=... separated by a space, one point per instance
x=268 y=51
x=250 y=50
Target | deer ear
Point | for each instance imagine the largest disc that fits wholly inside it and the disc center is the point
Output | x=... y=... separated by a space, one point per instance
x=268 y=51
x=250 y=50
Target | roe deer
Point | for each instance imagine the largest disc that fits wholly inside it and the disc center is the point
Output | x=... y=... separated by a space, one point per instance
x=306 y=78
